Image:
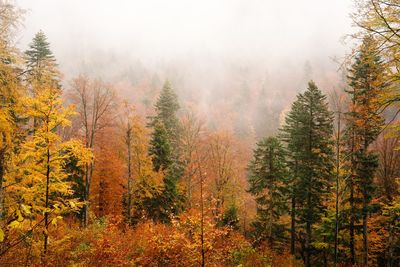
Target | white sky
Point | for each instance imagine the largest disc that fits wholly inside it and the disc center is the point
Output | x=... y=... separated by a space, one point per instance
x=167 y=28
x=203 y=40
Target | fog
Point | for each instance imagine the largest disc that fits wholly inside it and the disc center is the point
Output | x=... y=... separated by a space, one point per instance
x=231 y=53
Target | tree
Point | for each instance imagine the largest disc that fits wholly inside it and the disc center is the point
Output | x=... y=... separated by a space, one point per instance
x=366 y=81
x=94 y=101
x=165 y=151
x=10 y=89
x=191 y=140
x=380 y=20
x=308 y=133
x=338 y=102
x=144 y=185
x=268 y=176
x=221 y=168
x=41 y=64
x=45 y=189
x=388 y=171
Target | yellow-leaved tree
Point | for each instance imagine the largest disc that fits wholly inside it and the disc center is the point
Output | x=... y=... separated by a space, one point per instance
x=38 y=189
x=144 y=184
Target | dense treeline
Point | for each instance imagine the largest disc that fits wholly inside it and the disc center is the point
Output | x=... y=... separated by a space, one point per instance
x=87 y=180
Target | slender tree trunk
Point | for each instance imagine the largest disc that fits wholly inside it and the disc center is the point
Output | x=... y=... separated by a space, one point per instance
x=88 y=185
x=202 y=221
x=293 y=225
x=129 y=175
x=352 y=221
x=2 y=172
x=271 y=191
x=337 y=190
x=351 y=201
x=293 y=216
x=46 y=214
x=84 y=208
x=365 y=217
x=308 y=233
x=365 y=233
x=308 y=192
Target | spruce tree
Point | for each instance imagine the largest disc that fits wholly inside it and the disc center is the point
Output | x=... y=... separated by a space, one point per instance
x=366 y=82
x=308 y=135
x=165 y=152
x=268 y=176
x=41 y=66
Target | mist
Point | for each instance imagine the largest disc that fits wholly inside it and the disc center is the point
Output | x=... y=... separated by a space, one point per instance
x=219 y=55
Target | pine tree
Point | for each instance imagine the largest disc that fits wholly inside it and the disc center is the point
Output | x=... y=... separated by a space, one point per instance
x=230 y=217
x=165 y=152
x=308 y=134
x=41 y=64
x=166 y=107
x=366 y=81
x=160 y=147
x=268 y=176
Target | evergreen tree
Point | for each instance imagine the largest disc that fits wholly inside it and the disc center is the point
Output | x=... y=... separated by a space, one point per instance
x=308 y=133
x=166 y=108
x=41 y=64
x=268 y=176
x=230 y=217
x=366 y=81
x=160 y=147
x=165 y=153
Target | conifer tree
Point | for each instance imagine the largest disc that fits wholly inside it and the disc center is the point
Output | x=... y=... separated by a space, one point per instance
x=268 y=176
x=308 y=133
x=165 y=152
x=366 y=81
x=41 y=66
x=160 y=148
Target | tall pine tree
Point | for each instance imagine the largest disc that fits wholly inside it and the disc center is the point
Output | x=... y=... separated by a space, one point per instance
x=165 y=152
x=41 y=66
x=308 y=133
x=268 y=175
x=366 y=81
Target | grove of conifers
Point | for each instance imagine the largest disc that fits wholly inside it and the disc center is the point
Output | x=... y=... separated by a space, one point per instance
x=89 y=179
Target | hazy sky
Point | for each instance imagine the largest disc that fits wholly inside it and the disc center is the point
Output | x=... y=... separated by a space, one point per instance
x=163 y=29
x=211 y=50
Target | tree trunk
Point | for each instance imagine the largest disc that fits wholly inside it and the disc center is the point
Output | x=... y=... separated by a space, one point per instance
x=2 y=172
x=365 y=232
x=308 y=233
x=351 y=201
x=46 y=214
x=129 y=206
x=88 y=182
x=337 y=191
x=202 y=220
x=293 y=226
x=352 y=221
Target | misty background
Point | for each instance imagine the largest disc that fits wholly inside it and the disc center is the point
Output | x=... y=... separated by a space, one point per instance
x=238 y=63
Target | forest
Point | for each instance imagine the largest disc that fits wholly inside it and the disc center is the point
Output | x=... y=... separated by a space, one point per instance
x=90 y=177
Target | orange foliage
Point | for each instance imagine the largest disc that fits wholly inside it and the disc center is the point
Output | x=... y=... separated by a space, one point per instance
x=108 y=175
